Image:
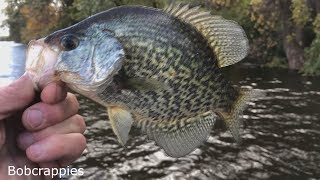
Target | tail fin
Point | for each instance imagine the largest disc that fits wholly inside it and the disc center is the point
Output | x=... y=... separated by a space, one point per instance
x=232 y=119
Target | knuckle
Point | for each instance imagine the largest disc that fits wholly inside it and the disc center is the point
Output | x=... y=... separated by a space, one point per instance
x=43 y=116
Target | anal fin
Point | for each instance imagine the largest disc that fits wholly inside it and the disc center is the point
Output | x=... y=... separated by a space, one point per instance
x=180 y=137
x=121 y=122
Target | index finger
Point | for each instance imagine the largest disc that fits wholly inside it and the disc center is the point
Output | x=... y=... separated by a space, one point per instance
x=16 y=96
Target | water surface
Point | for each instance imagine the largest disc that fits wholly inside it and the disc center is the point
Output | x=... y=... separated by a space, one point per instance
x=281 y=138
x=12 y=61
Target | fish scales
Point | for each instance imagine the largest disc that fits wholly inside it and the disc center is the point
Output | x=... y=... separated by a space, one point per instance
x=161 y=58
x=158 y=70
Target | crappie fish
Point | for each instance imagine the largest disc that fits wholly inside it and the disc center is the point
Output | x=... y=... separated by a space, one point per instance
x=158 y=70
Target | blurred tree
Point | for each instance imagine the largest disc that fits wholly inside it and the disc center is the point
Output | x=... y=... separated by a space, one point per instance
x=31 y=19
x=289 y=21
x=40 y=17
x=277 y=29
x=66 y=13
x=84 y=8
x=312 y=64
x=15 y=20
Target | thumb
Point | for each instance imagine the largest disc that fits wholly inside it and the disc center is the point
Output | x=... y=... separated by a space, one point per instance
x=16 y=96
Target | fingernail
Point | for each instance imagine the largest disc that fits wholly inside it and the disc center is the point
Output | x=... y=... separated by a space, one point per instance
x=36 y=150
x=25 y=140
x=35 y=118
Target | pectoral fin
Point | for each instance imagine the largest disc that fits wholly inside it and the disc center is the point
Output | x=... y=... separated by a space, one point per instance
x=121 y=122
x=180 y=137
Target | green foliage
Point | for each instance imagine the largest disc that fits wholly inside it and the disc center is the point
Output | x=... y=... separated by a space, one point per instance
x=312 y=65
x=316 y=24
x=300 y=12
x=312 y=54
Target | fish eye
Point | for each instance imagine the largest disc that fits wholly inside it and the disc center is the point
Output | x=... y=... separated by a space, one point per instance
x=69 y=42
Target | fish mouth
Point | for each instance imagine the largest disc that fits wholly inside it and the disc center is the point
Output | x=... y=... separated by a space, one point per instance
x=44 y=66
x=40 y=63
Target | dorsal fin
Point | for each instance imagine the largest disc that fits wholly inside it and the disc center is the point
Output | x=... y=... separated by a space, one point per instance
x=226 y=37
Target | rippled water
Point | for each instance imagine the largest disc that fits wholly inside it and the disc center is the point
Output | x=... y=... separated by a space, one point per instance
x=281 y=138
x=12 y=61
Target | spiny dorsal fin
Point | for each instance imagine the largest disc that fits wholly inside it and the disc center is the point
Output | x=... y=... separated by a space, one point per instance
x=227 y=38
x=182 y=136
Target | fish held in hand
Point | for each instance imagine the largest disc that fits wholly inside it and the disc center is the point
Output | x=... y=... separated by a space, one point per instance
x=158 y=70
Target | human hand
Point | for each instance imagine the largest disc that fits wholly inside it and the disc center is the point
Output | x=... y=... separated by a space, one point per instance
x=50 y=131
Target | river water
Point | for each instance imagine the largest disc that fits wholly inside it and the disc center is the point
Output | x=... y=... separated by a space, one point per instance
x=281 y=134
x=12 y=61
